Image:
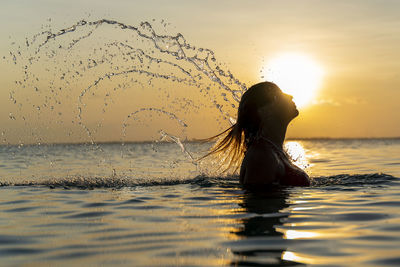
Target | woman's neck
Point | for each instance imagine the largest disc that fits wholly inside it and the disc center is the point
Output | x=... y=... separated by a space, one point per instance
x=274 y=132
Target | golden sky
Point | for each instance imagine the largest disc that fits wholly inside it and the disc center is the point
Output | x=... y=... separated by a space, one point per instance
x=356 y=43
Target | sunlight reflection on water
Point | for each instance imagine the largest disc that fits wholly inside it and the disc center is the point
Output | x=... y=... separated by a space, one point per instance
x=297 y=154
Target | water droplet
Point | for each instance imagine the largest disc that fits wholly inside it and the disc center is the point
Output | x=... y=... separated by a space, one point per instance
x=11 y=116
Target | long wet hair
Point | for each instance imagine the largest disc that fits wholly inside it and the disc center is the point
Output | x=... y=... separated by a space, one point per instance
x=233 y=143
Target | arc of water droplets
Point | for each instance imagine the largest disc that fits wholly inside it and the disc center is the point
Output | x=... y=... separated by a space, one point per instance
x=158 y=60
x=112 y=74
x=201 y=64
x=171 y=115
x=175 y=46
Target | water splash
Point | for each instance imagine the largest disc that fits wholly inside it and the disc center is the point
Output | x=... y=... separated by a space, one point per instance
x=104 y=80
x=104 y=59
x=166 y=136
x=341 y=182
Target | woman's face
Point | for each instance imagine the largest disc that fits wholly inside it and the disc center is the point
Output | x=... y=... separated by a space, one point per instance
x=287 y=106
x=282 y=107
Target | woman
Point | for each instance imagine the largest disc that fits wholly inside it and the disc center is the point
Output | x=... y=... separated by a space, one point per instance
x=257 y=138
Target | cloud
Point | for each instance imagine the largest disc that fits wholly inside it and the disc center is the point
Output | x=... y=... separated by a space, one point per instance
x=356 y=101
x=326 y=101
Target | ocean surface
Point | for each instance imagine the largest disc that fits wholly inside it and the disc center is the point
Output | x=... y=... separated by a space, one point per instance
x=149 y=204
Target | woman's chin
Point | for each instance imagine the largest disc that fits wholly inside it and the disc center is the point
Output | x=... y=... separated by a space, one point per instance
x=296 y=112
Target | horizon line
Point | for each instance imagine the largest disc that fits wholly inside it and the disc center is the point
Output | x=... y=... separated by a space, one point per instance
x=192 y=141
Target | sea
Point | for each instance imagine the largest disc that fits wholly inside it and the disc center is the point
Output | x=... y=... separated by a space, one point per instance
x=149 y=204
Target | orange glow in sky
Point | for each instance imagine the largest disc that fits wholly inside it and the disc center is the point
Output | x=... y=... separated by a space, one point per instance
x=339 y=59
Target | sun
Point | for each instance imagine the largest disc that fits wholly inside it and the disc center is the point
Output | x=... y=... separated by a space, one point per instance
x=296 y=74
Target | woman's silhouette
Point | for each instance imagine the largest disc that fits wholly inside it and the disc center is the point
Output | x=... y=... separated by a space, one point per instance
x=256 y=140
